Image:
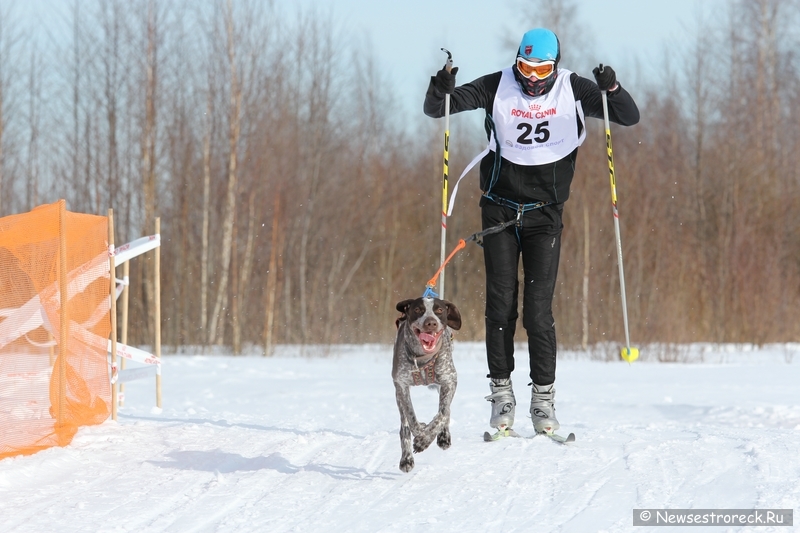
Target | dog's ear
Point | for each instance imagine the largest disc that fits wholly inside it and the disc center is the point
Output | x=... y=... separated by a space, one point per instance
x=403 y=306
x=453 y=315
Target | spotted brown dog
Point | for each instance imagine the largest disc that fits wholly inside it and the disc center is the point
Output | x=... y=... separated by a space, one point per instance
x=423 y=355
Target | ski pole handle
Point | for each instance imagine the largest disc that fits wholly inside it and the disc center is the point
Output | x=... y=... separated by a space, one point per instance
x=449 y=65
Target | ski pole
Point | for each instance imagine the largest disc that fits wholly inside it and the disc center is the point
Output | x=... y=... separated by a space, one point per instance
x=445 y=172
x=628 y=353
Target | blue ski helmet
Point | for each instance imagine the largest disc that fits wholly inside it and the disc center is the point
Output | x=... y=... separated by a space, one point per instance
x=541 y=44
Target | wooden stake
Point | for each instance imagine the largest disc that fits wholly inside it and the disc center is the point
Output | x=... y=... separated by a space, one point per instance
x=157 y=286
x=64 y=329
x=112 y=284
x=126 y=269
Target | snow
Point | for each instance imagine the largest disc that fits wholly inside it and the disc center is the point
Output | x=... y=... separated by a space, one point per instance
x=308 y=441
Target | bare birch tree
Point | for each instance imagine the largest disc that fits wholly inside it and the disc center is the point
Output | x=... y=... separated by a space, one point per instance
x=111 y=61
x=149 y=135
x=9 y=49
x=34 y=125
x=208 y=126
x=234 y=130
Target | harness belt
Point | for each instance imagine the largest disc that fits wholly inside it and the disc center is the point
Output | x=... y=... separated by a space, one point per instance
x=519 y=208
x=505 y=202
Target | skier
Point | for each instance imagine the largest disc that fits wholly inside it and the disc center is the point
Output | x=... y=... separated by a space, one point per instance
x=535 y=123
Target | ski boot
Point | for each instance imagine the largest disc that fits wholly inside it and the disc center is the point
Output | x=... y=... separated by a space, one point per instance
x=503 y=403
x=543 y=411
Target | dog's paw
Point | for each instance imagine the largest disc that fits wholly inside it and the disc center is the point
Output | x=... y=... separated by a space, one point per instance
x=417 y=429
x=443 y=439
x=422 y=442
x=407 y=463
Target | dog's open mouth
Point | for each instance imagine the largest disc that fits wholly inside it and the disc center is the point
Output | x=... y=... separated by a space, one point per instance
x=428 y=341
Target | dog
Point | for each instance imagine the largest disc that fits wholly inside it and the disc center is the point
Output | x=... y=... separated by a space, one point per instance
x=423 y=355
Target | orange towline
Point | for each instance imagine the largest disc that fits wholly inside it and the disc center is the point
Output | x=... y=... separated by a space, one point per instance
x=432 y=282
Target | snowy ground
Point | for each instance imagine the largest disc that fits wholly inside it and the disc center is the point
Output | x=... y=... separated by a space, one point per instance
x=309 y=443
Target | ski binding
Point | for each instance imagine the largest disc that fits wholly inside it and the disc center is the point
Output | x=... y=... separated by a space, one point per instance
x=502 y=431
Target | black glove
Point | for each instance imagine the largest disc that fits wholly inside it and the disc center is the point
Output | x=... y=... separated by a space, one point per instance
x=606 y=78
x=445 y=82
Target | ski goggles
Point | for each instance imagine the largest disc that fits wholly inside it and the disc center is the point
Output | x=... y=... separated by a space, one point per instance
x=531 y=69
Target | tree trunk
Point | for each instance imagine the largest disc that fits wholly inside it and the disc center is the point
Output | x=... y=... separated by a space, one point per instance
x=149 y=161
x=206 y=216
x=586 y=271
x=275 y=264
x=215 y=336
x=244 y=276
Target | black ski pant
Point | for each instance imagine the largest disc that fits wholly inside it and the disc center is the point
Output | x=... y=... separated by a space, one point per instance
x=538 y=241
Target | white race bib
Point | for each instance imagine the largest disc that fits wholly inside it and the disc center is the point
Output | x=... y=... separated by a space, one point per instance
x=536 y=130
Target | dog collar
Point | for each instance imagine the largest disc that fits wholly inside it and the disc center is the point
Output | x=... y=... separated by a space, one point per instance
x=425 y=375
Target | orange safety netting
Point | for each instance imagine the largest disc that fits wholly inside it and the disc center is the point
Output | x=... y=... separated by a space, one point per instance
x=53 y=379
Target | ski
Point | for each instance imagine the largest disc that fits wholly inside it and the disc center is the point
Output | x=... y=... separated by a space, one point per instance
x=558 y=438
x=504 y=432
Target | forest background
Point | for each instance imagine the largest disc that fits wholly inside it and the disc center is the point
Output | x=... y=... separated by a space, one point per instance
x=298 y=205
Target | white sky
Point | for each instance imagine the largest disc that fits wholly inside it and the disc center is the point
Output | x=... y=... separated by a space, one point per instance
x=630 y=35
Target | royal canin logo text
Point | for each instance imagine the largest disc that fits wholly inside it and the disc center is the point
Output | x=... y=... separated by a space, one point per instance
x=523 y=113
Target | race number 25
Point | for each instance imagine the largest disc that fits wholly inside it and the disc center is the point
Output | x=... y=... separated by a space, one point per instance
x=540 y=134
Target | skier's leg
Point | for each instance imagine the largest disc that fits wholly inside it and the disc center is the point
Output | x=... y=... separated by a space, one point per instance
x=501 y=259
x=541 y=249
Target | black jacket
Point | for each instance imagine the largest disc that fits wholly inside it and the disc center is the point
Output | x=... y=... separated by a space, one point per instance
x=539 y=183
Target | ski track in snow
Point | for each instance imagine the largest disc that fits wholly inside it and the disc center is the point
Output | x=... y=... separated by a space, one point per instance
x=296 y=444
